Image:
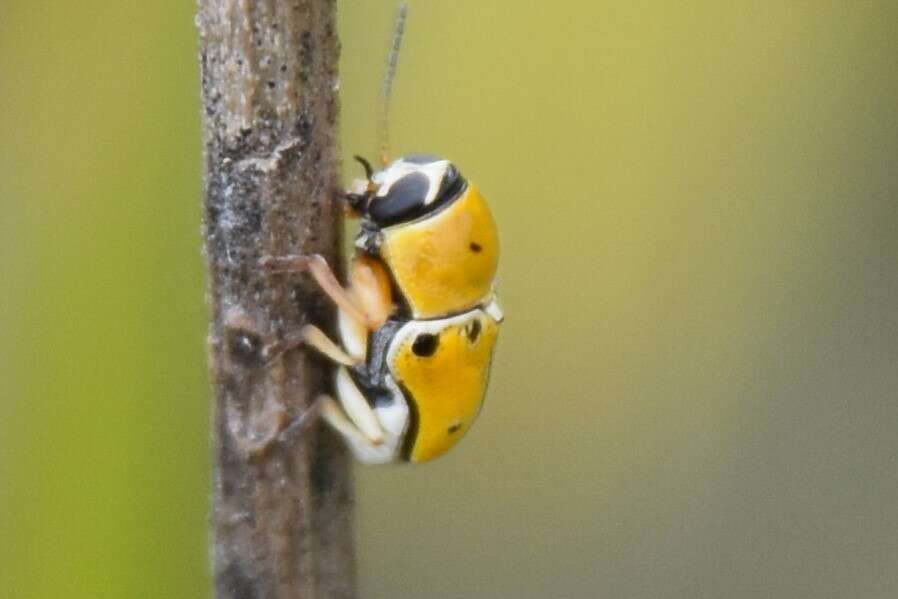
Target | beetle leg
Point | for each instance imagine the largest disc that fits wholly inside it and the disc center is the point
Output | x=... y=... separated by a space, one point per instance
x=362 y=447
x=371 y=287
x=317 y=266
x=357 y=408
x=302 y=422
x=313 y=337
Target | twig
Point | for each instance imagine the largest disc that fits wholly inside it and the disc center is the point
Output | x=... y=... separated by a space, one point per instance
x=281 y=505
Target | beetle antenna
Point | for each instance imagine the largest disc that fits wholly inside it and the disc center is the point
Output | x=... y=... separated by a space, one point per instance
x=369 y=172
x=357 y=199
x=389 y=75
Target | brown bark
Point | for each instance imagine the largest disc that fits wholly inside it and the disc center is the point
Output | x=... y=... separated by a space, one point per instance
x=281 y=504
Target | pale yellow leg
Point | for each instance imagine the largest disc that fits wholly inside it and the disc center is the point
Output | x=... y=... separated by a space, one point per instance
x=362 y=447
x=317 y=266
x=334 y=416
x=357 y=408
x=313 y=337
x=372 y=288
x=353 y=401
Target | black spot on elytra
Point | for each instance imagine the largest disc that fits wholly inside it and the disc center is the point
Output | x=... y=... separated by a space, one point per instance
x=475 y=247
x=474 y=331
x=454 y=428
x=425 y=344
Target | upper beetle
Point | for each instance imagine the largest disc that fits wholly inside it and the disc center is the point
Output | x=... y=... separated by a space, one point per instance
x=434 y=232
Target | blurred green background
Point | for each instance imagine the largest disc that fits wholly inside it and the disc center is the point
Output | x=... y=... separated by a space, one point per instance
x=695 y=389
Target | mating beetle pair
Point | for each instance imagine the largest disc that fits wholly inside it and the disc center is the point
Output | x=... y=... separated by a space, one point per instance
x=419 y=318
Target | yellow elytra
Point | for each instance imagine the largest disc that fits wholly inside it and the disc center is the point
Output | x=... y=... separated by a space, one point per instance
x=446 y=262
x=443 y=367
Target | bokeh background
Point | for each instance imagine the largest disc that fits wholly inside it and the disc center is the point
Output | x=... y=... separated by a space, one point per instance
x=695 y=390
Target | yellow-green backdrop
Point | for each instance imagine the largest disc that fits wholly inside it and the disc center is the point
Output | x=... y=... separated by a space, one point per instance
x=695 y=389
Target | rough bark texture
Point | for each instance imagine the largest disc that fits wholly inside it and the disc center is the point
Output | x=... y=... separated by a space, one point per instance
x=281 y=512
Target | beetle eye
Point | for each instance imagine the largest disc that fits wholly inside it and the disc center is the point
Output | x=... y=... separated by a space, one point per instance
x=404 y=200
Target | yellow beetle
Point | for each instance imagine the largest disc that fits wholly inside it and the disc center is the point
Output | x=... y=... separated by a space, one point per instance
x=419 y=319
x=434 y=232
x=419 y=390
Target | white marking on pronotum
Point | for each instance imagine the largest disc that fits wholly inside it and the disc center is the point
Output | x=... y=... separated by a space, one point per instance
x=434 y=171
